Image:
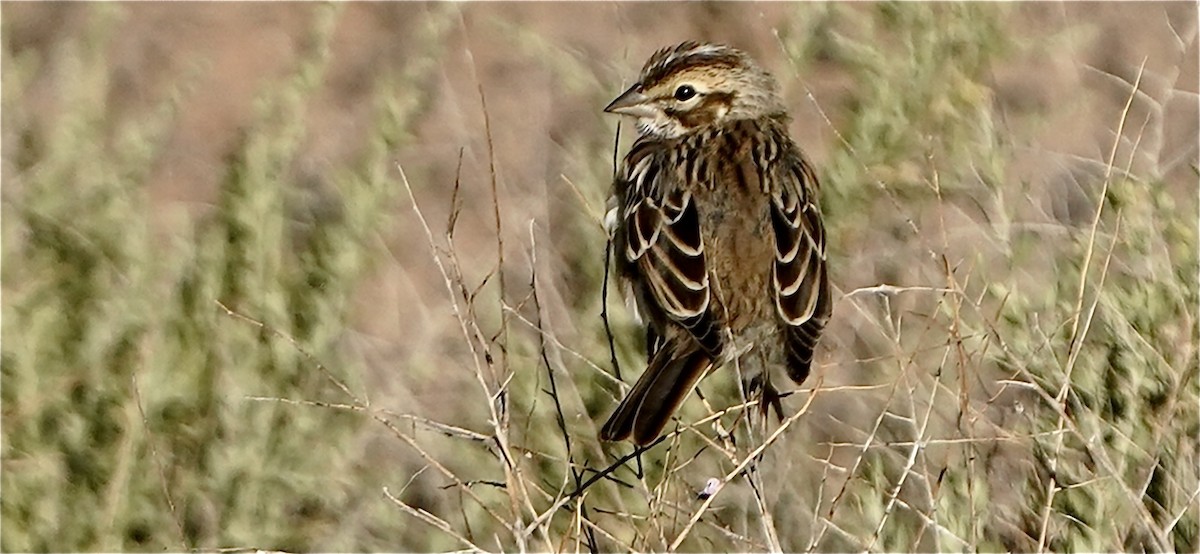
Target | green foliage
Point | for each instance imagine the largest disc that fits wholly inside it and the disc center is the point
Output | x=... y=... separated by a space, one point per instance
x=129 y=416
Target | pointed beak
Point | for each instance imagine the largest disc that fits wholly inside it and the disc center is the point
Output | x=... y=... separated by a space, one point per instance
x=631 y=102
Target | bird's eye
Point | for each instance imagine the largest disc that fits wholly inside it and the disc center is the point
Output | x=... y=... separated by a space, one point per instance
x=684 y=93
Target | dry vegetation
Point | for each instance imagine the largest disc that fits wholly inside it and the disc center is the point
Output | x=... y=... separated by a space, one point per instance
x=329 y=277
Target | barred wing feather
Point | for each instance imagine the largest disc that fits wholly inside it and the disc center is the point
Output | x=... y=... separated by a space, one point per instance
x=800 y=283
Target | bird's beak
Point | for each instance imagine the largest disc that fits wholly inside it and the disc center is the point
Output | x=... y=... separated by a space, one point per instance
x=631 y=102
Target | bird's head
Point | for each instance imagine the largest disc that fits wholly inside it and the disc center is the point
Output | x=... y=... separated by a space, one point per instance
x=685 y=88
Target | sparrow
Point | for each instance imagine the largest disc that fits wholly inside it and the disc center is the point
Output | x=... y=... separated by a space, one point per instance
x=716 y=232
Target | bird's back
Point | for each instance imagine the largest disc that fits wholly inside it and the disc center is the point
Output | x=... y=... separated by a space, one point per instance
x=733 y=193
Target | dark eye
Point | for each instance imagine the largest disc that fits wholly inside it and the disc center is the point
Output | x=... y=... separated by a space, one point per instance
x=684 y=93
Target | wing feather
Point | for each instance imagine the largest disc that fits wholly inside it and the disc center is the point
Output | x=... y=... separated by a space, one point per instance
x=799 y=279
x=664 y=246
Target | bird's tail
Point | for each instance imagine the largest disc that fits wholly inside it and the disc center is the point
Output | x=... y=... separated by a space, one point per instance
x=668 y=378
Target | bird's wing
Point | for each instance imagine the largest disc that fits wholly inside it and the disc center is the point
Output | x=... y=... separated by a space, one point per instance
x=662 y=243
x=799 y=280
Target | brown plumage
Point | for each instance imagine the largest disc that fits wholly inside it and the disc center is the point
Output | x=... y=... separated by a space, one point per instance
x=716 y=232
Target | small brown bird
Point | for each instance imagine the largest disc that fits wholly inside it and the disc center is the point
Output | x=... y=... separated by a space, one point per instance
x=716 y=232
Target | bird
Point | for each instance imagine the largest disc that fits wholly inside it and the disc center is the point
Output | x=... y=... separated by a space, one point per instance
x=716 y=233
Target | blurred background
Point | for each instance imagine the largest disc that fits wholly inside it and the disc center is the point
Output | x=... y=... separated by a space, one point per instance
x=329 y=277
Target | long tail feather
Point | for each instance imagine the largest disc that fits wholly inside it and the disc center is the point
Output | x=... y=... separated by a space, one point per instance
x=667 y=380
